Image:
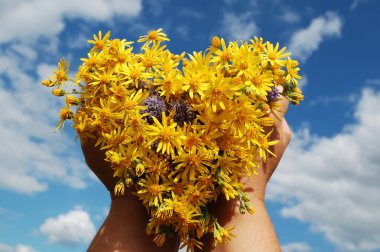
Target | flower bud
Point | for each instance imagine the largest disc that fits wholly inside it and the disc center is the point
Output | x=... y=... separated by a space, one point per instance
x=71 y=100
x=65 y=113
x=242 y=210
x=58 y=92
x=249 y=208
x=119 y=188
x=47 y=83
x=140 y=169
x=128 y=182
x=215 y=42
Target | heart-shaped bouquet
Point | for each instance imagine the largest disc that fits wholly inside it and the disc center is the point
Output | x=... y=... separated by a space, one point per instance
x=179 y=130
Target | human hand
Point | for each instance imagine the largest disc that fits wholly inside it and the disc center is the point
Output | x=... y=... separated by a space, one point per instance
x=95 y=159
x=256 y=185
x=253 y=232
x=124 y=228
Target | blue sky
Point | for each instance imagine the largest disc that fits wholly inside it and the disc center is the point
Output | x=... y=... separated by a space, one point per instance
x=325 y=196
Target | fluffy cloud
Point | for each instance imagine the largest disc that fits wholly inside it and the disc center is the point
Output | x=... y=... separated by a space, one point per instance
x=71 y=228
x=375 y=82
x=296 y=247
x=305 y=41
x=303 y=82
x=239 y=27
x=355 y=3
x=29 y=20
x=333 y=183
x=17 y=248
x=31 y=155
x=290 y=16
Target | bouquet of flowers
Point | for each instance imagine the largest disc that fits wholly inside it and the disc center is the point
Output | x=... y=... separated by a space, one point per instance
x=179 y=130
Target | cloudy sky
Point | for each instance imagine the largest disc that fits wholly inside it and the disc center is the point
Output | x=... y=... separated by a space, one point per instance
x=325 y=196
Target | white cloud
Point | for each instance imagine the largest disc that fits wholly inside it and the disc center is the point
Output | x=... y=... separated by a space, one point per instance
x=296 y=247
x=333 y=183
x=186 y=12
x=17 y=248
x=71 y=228
x=31 y=155
x=253 y=3
x=355 y=3
x=306 y=41
x=375 y=82
x=239 y=27
x=329 y=100
x=303 y=82
x=29 y=20
x=156 y=6
x=182 y=30
x=290 y=16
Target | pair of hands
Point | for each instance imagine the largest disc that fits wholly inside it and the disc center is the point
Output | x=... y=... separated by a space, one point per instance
x=124 y=227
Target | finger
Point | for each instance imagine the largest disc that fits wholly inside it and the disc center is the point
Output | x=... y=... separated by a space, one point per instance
x=286 y=133
x=281 y=111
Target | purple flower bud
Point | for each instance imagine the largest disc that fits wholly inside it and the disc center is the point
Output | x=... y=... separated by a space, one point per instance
x=183 y=113
x=155 y=106
x=273 y=95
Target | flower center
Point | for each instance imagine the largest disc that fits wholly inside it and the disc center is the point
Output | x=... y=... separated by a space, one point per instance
x=272 y=56
x=152 y=35
x=155 y=189
x=165 y=135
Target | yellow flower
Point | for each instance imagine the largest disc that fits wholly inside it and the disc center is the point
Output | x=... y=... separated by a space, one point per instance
x=215 y=44
x=116 y=139
x=135 y=73
x=264 y=146
x=220 y=89
x=192 y=163
x=292 y=71
x=152 y=189
x=192 y=138
x=170 y=85
x=119 y=188
x=191 y=244
x=103 y=78
x=167 y=136
x=243 y=60
x=61 y=76
x=258 y=45
x=106 y=113
x=273 y=56
x=64 y=114
x=197 y=196
x=151 y=56
x=72 y=100
x=153 y=36
x=47 y=83
x=222 y=235
x=195 y=81
x=245 y=113
x=259 y=82
x=133 y=102
x=99 y=41
x=159 y=239
x=155 y=164
x=222 y=57
x=58 y=92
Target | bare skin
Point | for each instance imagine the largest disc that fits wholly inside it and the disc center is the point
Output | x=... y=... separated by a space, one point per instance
x=253 y=232
x=124 y=228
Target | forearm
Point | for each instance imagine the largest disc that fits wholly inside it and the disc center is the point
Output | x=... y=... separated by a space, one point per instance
x=253 y=232
x=124 y=229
